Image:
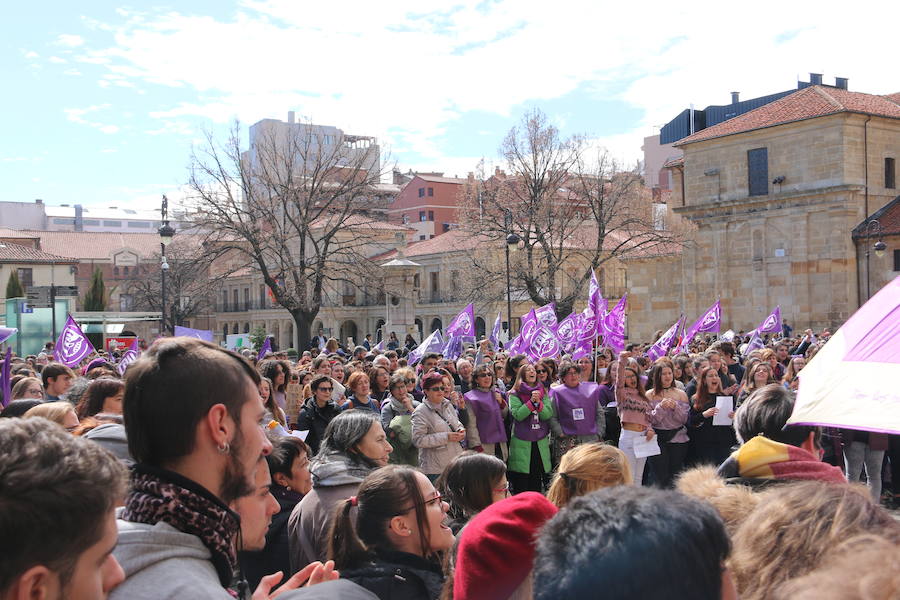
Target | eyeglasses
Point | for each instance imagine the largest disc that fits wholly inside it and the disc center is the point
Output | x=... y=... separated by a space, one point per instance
x=503 y=490
x=409 y=380
x=539 y=371
x=324 y=389
x=437 y=498
x=436 y=389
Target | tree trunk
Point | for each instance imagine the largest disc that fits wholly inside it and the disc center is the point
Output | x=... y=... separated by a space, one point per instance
x=303 y=325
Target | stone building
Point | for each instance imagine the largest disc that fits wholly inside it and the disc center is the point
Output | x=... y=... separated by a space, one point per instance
x=775 y=194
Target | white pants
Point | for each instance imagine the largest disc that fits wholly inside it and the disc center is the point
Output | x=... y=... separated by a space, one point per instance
x=626 y=445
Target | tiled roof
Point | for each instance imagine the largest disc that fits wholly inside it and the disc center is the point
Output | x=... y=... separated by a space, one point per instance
x=85 y=245
x=678 y=161
x=434 y=179
x=363 y=222
x=888 y=217
x=808 y=103
x=15 y=253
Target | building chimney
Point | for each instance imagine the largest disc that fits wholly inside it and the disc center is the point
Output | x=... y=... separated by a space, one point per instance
x=291 y=117
x=38 y=201
x=735 y=97
x=815 y=79
x=79 y=218
x=841 y=82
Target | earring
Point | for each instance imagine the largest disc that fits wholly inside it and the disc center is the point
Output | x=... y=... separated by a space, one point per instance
x=288 y=488
x=223 y=448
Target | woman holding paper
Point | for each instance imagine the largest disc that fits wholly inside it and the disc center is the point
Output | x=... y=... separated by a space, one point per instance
x=637 y=437
x=529 y=449
x=709 y=421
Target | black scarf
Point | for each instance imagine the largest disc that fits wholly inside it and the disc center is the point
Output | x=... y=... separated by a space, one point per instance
x=159 y=495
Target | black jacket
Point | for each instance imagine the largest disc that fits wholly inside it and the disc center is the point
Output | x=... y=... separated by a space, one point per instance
x=393 y=575
x=275 y=556
x=316 y=419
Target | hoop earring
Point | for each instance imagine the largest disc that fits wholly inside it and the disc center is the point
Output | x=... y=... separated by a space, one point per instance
x=223 y=448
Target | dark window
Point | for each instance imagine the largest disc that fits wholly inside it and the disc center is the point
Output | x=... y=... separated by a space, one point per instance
x=237 y=305
x=431 y=215
x=225 y=301
x=421 y=238
x=890 y=174
x=262 y=296
x=434 y=282
x=422 y=216
x=446 y=227
x=405 y=219
x=758 y=171
x=246 y=298
x=421 y=192
x=25 y=278
x=897 y=260
x=431 y=191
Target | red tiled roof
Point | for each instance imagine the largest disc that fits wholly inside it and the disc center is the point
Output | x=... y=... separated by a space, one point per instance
x=808 y=103
x=678 y=161
x=15 y=253
x=887 y=216
x=363 y=222
x=85 y=245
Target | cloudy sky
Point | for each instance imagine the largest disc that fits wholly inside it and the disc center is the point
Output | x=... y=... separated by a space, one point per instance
x=103 y=101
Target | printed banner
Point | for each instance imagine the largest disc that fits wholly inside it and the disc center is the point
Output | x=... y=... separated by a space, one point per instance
x=772 y=323
x=662 y=345
x=72 y=346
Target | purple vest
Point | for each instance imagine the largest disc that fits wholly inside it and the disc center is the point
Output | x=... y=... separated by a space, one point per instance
x=531 y=429
x=576 y=408
x=488 y=418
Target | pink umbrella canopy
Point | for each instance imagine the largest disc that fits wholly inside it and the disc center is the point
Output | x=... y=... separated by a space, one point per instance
x=851 y=381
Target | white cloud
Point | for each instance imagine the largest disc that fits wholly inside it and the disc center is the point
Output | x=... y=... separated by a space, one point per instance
x=72 y=72
x=406 y=74
x=77 y=115
x=57 y=60
x=31 y=54
x=70 y=41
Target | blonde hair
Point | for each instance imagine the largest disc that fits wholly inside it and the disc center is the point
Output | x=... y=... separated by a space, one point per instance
x=586 y=468
x=795 y=527
x=52 y=411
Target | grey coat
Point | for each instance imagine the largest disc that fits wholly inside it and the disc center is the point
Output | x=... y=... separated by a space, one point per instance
x=430 y=427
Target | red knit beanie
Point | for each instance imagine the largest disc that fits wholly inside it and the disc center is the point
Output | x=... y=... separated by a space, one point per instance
x=496 y=548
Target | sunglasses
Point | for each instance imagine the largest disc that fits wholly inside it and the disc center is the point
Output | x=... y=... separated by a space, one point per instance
x=409 y=380
x=539 y=371
x=324 y=389
x=436 y=389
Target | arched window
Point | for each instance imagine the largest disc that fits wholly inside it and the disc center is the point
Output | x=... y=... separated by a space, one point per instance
x=435 y=324
x=479 y=327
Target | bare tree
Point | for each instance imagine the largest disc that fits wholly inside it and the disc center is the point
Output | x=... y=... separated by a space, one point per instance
x=191 y=281
x=297 y=207
x=572 y=209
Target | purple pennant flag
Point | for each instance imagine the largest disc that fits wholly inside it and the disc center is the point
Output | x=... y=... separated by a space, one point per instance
x=433 y=343
x=755 y=343
x=129 y=356
x=5 y=383
x=200 y=334
x=463 y=325
x=662 y=345
x=6 y=333
x=266 y=348
x=708 y=322
x=597 y=306
x=546 y=316
x=495 y=332
x=772 y=323
x=588 y=325
x=613 y=326
x=72 y=346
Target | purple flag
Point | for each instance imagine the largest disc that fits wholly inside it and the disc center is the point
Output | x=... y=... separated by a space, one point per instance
x=129 y=356
x=453 y=347
x=463 y=325
x=546 y=316
x=589 y=325
x=512 y=346
x=597 y=306
x=772 y=323
x=709 y=321
x=266 y=348
x=4 y=377
x=6 y=333
x=433 y=343
x=544 y=344
x=529 y=327
x=495 y=332
x=613 y=326
x=379 y=346
x=755 y=343
x=72 y=346
x=567 y=331
x=583 y=349
x=200 y=334
x=662 y=345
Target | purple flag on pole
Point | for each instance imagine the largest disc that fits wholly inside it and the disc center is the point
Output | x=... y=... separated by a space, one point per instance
x=567 y=331
x=755 y=343
x=266 y=347
x=129 y=356
x=512 y=346
x=463 y=325
x=544 y=344
x=6 y=333
x=597 y=306
x=772 y=323
x=379 y=346
x=612 y=326
x=4 y=377
x=529 y=327
x=583 y=349
x=495 y=332
x=453 y=347
x=72 y=346
x=200 y=334
x=588 y=325
x=433 y=343
x=708 y=322
x=662 y=345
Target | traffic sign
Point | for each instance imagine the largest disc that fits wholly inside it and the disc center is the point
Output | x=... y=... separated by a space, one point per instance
x=24 y=308
x=67 y=290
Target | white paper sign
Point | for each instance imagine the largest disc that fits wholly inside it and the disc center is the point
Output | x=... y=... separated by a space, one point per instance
x=644 y=448
x=300 y=434
x=578 y=414
x=725 y=404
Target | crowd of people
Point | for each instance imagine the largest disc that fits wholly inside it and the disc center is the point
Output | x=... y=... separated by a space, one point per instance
x=349 y=473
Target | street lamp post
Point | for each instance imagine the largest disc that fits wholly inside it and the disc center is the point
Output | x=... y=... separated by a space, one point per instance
x=166 y=232
x=873 y=228
x=512 y=242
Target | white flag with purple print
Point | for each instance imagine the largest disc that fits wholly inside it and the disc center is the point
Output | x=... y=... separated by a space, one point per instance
x=662 y=345
x=433 y=343
x=546 y=316
x=755 y=343
x=72 y=346
x=772 y=323
x=495 y=332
